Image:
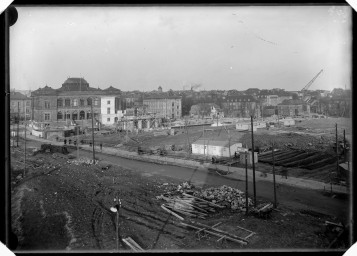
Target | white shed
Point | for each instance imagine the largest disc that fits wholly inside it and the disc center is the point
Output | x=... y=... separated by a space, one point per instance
x=287 y=122
x=215 y=148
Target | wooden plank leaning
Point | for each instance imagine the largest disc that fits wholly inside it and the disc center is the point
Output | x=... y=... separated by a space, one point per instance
x=215 y=234
x=172 y=213
x=219 y=231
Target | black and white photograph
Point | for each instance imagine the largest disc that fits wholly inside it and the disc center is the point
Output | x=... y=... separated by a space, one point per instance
x=159 y=128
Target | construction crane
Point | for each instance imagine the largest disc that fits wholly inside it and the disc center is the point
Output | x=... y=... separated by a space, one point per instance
x=310 y=83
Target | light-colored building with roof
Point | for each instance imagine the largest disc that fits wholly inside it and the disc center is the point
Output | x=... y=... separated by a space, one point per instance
x=163 y=105
x=70 y=102
x=20 y=105
x=220 y=148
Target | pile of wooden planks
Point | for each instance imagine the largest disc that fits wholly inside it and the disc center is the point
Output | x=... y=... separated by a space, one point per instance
x=188 y=205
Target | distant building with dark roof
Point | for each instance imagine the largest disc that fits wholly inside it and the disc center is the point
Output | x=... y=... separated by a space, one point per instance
x=72 y=101
x=164 y=105
x=20 y=105
x=241 y=106
x=293 y=108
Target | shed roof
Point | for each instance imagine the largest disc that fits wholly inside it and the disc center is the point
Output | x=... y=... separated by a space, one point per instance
x=222 y=143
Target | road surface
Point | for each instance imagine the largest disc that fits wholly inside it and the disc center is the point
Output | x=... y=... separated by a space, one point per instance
x=292 y=197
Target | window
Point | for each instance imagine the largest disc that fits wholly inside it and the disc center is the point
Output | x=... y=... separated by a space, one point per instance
x=75 y=102
x=47 y=116
x=108 y=110
x=108 y=102
x=67 y=102
x=59 y=116
x=27 y=110
x=89 y=101
x=177 y=107
x=96 y=102
x=59 y=103
x=27 y=103
x=47 y=104
x=81 y=102
x=172 y=104
x=108 y=119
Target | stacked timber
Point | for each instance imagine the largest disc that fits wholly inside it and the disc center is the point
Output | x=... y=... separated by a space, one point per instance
x=188 y=205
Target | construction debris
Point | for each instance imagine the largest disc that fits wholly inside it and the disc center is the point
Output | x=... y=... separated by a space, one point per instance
x=187 y=205
x=225 y=196
x=81 y=161
x=263 y=210
x=132 y=244
x=214 y=231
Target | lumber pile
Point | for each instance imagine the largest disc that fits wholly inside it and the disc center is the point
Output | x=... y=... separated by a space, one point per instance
x=187 y=205
x=226 y=196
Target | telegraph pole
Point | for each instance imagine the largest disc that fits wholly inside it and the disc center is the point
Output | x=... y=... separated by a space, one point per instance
x=254 y=189
x=337 y=151
x=246 y=184
x=275 y=204
x=91 y=106
x=23 y=175
x=18 y=123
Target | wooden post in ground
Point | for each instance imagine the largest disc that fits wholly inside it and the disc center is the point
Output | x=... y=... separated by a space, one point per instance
x=18 y=123
x=275 y=203
x=254 y=189
x=337 y=158
x=117 y=224
x=23 y=175
x=91 y=106
x=246 y=184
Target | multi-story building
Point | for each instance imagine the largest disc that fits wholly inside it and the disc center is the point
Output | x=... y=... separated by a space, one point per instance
x=163 y=105
x=20 y=105
x=293 y=108
x=206 y=110
x=73 y=101
x=242 y=106
x=110 y=107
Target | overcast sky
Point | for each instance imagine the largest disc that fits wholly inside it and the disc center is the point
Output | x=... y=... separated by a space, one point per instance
x=141 y=48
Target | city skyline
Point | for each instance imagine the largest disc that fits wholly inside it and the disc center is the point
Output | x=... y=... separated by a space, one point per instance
x=222 y=48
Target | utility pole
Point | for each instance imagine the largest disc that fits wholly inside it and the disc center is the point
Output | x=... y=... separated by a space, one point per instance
x=254 y=189
x=18 y=123
x=91 y=106
x=344 y=144
x=275 y=204
x=246 y=183
x=117 y=226
x=337 y=152
x=77 y=141
x=23 y=175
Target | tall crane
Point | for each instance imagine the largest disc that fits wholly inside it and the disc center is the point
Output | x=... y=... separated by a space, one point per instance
x=310 y=83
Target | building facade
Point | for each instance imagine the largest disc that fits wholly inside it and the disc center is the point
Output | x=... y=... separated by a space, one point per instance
x=242 y=106
x=75 y=100
x=20 y=105
x=165 y=106
x=293 y=108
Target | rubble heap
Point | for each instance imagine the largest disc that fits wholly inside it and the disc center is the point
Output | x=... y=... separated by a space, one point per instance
x=226 y=196
x=80 y=161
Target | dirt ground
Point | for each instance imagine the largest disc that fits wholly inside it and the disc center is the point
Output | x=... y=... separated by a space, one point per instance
x=64 y=206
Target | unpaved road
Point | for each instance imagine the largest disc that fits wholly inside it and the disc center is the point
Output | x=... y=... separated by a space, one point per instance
x=289 y=196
